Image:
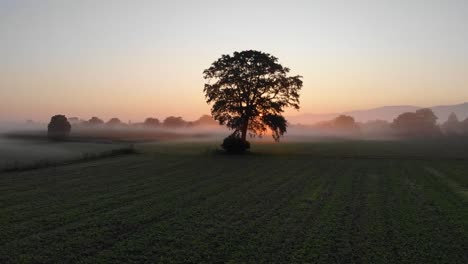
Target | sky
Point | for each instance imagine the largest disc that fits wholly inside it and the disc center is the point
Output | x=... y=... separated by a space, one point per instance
x=136 y=59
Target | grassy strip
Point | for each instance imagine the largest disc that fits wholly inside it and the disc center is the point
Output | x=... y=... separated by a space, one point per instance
x=86 y=157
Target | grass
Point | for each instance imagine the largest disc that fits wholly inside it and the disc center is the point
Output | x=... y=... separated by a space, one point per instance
x=20 y=154
x=323 y=202
x=85 y=157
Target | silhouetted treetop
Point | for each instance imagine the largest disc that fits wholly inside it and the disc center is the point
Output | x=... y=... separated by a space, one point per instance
x=249 y=91
x=151 y=122
x=452 y=126
x=205 y=120
x=419 y=123
x=114 y=122
x=95 y=121
x=174 y=122
x=345 y=122
x=59 y=127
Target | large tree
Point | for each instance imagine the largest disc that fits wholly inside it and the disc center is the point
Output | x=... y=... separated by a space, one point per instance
x=249 y=91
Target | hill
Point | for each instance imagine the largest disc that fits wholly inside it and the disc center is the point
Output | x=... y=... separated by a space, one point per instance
x=383 y=113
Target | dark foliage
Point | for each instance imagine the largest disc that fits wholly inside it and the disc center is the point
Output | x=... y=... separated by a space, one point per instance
x=174 y=122
x=421 y=123
x=249 y=91
x=452 y=127
x=114 y=122
x=344 y=122
x=59 y=128
x=205 y=120
x=235 y=145
x=151 y=122
x=95 y=121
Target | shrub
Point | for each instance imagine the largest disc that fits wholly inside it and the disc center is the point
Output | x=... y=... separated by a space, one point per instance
x=236 y=145
x=59 y=128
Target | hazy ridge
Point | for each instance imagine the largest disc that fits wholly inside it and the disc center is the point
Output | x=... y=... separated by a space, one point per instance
x=384 y=113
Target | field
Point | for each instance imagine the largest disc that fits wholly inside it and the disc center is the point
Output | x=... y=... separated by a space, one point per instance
x=316 y=202
x=18 y=154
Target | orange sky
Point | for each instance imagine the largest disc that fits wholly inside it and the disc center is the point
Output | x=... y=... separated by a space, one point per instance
x=133 y=61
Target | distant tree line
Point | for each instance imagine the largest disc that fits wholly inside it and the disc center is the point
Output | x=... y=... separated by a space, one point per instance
x=421 y=123
x=150 y=122
x=60 y=126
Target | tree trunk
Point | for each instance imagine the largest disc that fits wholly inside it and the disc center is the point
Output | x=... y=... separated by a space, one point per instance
x=244 y=130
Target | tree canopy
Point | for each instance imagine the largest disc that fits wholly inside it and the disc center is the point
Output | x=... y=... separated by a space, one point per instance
x=174 y=122
x=419 y=123
x=114 y=122
x=345 y=122
x=58 y=128
x=452 y=126
x=249 y=91
x=151 y=122
x=95 y=121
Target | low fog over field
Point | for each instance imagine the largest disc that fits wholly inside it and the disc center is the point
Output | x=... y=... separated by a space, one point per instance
x=19 y=153
x=28 y=142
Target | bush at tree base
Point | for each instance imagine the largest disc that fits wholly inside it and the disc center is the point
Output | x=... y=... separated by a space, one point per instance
x=235 y=144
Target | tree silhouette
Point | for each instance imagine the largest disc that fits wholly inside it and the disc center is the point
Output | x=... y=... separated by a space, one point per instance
x=174 y=122
x=151 y=122
x=95 y=121
x=59 y=128
x=113 y=122
x=345 y=122
x=420 y=123
x=205 y=120
x=452 y=126
x=249 y=91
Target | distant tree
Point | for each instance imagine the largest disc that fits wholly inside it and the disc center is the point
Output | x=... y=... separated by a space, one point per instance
x=95 y=121
x=420 y=123
x=174 y=122
x=59 y=128
x=151 y=122
x=427 y=118
x=452 y=126
x=205 y=120
x=345 y=123
x=114 y=122
x=249 y=91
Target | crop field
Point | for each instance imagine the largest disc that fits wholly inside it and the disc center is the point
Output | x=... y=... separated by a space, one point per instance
x=15 y=153
x=322 y=202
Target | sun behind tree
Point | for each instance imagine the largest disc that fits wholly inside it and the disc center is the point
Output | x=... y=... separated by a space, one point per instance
x=249 y=91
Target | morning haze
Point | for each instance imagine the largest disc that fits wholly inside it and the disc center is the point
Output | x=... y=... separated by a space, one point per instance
x=233 y=131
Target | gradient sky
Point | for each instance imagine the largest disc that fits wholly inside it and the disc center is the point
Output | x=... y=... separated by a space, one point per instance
x=134 y=59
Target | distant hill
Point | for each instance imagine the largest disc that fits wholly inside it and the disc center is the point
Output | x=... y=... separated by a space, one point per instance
x=383 y=113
